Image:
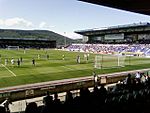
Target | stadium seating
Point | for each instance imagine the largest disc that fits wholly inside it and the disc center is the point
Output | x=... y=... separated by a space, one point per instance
x=143 y=49
x=125 y=97
x=120 y=99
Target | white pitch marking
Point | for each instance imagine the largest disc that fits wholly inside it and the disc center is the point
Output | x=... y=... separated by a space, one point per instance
x=9 y=70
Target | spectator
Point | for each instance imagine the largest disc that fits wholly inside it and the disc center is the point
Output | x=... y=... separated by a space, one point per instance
x=57 y=104
x=48 y=104
x=2 y=109
x=31 y=108
x=128 y=80
x=69 y=98
x=6 y=105
x=56 y=99
x=138 y=77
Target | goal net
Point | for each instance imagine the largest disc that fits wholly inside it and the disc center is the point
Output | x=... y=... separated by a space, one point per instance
x=13 y=47
x=109 y=61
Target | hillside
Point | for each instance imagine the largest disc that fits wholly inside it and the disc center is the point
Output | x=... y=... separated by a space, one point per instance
x=13 y=33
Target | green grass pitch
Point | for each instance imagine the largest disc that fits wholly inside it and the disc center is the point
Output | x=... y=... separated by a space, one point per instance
x=55 y=68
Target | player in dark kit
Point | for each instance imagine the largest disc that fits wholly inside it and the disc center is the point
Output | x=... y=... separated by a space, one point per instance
x=33 y=62
x=47 y=57
x=18 y=62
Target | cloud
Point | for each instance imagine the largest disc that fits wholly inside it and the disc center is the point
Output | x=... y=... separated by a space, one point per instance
x=71 y=35
x=15 y=22
x=44 y=25
x=1 y=22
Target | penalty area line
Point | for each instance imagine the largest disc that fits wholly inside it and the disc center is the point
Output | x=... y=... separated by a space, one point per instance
x=9 y=70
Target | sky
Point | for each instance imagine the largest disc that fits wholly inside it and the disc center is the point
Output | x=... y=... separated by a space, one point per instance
x=62 y=16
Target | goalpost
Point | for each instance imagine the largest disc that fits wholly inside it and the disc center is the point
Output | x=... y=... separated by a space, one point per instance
x=13 y=47
x=97 y=62
x=121 y=61
x=109 y=61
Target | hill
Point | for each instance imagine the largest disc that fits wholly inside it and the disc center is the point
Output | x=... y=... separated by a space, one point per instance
x=13 y=33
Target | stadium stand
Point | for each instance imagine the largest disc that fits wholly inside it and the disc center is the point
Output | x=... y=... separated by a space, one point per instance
x=130 y=95
x=134 y=49
x=125 y=97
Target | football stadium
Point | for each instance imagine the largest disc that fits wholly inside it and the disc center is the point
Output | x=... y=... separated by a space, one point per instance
x=110 y=68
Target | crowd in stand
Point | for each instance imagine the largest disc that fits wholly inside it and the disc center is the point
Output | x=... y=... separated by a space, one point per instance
x=143 y=49
x=129 y=95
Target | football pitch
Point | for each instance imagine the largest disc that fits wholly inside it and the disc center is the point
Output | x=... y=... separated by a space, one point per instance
x=50 y=65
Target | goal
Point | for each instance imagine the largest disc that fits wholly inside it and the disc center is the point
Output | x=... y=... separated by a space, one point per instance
x=109 y=61
x=97 y=62
x=13 y=47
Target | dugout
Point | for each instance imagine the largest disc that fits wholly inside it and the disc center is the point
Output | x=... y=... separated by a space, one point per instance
x=27 y=43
